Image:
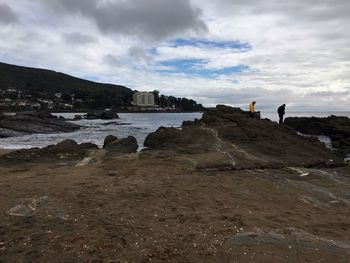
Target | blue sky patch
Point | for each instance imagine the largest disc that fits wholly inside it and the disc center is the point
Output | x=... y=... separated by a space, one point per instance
x=196 y=67
x=204 y=43
x=152 y=51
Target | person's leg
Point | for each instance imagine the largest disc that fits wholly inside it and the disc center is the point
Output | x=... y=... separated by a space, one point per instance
x=281 y=119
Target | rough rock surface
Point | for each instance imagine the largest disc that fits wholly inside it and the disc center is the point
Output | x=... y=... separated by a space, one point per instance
x=125 y=145
x=337 y=128
x=67 y=150
x=33 y=122
x=108 y=140
x=226 y=137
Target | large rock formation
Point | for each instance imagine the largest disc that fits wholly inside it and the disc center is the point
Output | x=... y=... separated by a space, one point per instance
x=33 y=122
x=337 y=128
x=227 y=138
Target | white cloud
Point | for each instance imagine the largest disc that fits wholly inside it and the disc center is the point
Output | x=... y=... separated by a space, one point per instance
x=300 y=49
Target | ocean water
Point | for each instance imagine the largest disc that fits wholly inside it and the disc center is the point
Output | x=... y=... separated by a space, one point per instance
x=138 y=125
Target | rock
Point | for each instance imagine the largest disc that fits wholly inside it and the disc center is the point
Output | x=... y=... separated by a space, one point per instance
x=112 y=173
x=189 y=139
x=36 y=114
x=67 y=149
x=5 y=133
x=66 y=146
x=104 y=115
x=336 y=128
x=227 y=137
x=88 y=146
x=191 y=123
x=78 y=117
x=125 y=145
x=108 y=140
x=33 y=122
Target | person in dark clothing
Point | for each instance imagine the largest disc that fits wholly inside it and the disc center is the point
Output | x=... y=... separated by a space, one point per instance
x=281 y=112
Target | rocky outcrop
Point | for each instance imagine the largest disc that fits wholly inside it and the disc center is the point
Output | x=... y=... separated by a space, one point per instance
x=70 y=152
x=67 y=151
x=103 y=115
x=227 y=138
x=337 y=128
x=33 y=122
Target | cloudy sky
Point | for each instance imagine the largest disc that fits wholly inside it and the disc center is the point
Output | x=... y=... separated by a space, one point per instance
x=222 y=51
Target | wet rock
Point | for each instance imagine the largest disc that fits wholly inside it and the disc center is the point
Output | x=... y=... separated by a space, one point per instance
x=104 y=115
x=78 y=117
x=336 y=128
x=109 y=140
x=33 y=122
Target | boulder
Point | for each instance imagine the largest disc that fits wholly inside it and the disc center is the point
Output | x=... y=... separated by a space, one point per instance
x=103 y=115
x=109 y=140
x=88 y=146
x=125 y=145
x=66 y=146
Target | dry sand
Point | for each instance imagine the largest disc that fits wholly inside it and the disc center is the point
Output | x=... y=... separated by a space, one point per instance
x=144 y=208
x=4 y=151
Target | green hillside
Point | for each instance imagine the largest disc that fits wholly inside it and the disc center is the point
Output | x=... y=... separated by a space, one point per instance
x=41 y=83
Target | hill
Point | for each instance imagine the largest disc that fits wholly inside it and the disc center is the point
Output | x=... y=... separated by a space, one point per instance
x=48 y=85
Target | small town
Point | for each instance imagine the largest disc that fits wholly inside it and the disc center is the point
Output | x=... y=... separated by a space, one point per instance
x=12 y=99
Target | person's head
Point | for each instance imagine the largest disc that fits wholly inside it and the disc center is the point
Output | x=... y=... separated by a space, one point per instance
x=254 y=102
x=284 y=105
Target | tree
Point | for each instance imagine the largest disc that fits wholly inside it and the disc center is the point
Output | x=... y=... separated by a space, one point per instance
x=156 y=97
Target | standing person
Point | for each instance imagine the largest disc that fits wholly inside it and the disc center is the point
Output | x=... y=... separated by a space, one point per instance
x=252 y=109
x=281 y=112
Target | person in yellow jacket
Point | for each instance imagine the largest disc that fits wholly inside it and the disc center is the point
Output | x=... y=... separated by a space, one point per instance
x=252 y=109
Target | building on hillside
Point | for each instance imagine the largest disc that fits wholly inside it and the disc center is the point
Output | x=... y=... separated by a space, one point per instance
x=143 y=99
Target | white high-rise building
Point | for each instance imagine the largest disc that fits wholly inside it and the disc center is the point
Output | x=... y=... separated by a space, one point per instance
x=144 y=99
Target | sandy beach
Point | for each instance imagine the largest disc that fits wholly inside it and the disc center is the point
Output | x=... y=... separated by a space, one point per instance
x=118 y=210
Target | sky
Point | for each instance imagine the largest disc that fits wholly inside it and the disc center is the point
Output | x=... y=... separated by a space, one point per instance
x=215 y=52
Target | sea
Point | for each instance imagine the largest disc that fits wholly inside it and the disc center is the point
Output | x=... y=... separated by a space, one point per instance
x=138 y=125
